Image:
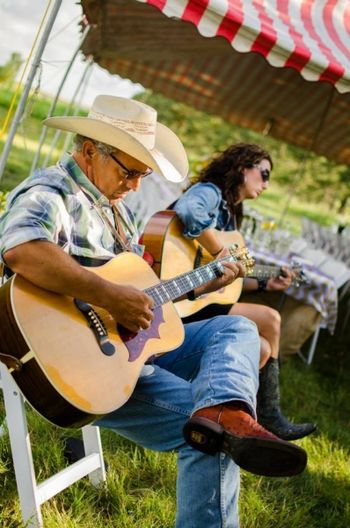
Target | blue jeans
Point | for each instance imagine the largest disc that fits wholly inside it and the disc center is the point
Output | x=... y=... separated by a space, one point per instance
x=217 y=362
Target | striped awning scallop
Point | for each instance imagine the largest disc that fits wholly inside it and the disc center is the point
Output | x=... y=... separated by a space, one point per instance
x=277 y=65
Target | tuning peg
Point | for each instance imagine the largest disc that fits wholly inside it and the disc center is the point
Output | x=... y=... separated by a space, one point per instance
x=233 y=249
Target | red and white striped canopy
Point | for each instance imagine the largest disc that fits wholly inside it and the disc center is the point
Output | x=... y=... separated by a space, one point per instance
x=250 y=61
x=311 y=36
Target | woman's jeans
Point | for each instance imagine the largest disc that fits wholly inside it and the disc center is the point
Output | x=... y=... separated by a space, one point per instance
x=217 y=362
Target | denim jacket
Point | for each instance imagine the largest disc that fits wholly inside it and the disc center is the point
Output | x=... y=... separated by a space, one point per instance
x=202 y=207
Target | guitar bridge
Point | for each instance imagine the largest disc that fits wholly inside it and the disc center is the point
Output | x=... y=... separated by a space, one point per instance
x=97 y=326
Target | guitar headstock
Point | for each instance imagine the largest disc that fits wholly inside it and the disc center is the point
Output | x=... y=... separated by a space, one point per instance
x=299 y=276
x=242 y=255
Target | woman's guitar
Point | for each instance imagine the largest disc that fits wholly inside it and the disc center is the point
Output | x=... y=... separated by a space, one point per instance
x=173 y=253
x=71 y=360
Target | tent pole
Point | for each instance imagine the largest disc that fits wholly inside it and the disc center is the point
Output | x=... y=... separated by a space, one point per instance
x=54 y=102
x=67 y=112
x=77 y=108
x=22 y=102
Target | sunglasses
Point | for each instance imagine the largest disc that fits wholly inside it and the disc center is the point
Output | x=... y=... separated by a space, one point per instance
x=131 y=174
x=265 y=173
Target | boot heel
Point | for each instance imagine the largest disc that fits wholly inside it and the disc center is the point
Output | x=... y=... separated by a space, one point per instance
x=204 y=435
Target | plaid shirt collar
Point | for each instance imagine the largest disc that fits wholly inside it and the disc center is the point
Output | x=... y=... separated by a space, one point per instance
x=68 y=163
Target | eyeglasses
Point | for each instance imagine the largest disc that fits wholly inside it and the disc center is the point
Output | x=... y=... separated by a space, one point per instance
x=132 y=174
x=265 y=173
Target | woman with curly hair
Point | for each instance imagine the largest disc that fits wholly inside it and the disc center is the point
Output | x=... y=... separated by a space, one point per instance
x=215 y=202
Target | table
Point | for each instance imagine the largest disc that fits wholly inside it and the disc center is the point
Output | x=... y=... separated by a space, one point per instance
x=319 y=290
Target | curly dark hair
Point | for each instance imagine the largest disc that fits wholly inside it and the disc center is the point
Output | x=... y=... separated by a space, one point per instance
x=226 y=171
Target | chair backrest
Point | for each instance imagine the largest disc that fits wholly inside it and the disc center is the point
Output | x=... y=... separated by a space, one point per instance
x=31 y=494
x=316 y=256
x=298 y=245
x=336 y=269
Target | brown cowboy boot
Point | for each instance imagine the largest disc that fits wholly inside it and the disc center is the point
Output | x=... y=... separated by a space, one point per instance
x=229 y=428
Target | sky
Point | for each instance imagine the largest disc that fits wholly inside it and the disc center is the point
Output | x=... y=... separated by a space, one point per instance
x=19 y=23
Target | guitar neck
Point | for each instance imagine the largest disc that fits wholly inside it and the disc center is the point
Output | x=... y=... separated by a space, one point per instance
x=261 y=271
x=171 y=289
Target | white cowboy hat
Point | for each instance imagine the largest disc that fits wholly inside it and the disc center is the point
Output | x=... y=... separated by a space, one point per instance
x=132 y=127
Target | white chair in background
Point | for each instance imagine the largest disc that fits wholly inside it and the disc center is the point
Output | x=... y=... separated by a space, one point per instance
x=340 y=273
x=32 y=494
x=298 y=245
x=316 y=256
x=336 y=269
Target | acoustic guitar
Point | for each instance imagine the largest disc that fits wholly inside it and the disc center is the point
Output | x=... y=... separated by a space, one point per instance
x=173 y=253
x=71 y=360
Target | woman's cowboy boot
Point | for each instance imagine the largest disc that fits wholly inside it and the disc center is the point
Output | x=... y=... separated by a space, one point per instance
x=268 y=406
x=230 y=428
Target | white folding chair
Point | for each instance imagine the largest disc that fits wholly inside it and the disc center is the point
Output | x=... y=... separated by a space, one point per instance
x=32 y=494
x=336 y=269
x=298 y=245
x=315 y=256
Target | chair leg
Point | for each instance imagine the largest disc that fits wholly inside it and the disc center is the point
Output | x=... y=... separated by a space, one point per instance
x=310 y=356
x=92 y=444
x=21 y=451
x=312 y=348
x=31 y=494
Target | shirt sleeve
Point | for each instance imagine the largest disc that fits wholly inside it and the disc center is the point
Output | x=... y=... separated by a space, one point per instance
x=198 y=208
x=37 y=214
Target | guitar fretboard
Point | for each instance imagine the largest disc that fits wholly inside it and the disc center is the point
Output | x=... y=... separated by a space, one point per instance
x=260 y=271
x=171 y=289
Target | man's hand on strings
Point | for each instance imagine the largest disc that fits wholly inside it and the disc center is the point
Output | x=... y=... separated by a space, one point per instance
x=130 y=307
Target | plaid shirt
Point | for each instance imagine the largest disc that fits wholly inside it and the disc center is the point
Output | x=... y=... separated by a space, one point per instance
x=55 y=204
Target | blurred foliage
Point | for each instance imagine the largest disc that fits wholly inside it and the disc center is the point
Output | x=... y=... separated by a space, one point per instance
x=28 y=133
x=299 y=172
x=3 y=196
x=8 y=71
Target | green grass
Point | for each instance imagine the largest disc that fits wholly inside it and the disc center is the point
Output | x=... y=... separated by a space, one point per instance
x=140 y=488
x=273 y=203
x=28 y=133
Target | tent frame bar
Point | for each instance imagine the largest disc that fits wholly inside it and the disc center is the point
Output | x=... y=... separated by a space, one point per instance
x=54 y=102
x=22 y=102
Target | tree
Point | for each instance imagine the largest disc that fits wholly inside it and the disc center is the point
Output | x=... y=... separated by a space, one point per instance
x=9 y=70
